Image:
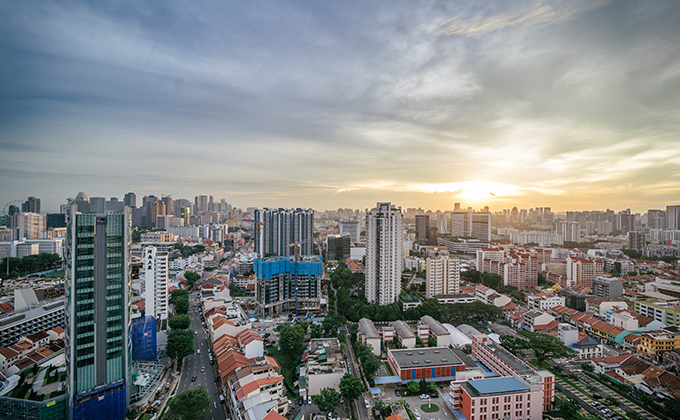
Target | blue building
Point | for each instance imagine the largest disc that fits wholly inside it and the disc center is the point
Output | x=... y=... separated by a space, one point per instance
x=286 y=285
x=144 y=342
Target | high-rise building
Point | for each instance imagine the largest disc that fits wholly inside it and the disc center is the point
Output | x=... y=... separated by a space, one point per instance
x=656 y=219
x=469 y=224
x=97 y=205
x=284 y=284
x=442 y=276
x=82 y=202
x=423 y=229
x=673 y=217
x=278 y=228
x=97 y=318
x=570 y=231
x=156 y=282
x=130 y=200
x=352 y=227
x=637 y=240
x=338 y=246
x=384 y=253
x=32 y=205
x=115 y=206
x=29 y=225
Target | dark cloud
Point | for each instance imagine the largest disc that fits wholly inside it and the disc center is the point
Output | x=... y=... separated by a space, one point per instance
x=296 y=101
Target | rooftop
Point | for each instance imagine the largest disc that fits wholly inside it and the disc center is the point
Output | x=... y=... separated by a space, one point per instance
x=425 y=357
x=510 y=360
x=496 y=386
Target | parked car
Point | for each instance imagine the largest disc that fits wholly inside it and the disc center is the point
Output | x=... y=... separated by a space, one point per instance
x=309 y=399
x=397 y=392
x=434 y=395
x=424 y=396
x=300 y=402
x=193 y=379
x=366 y=404
x=416 y=415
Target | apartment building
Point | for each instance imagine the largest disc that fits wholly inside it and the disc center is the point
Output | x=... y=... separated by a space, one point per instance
x=442 y=276
x=384 y=254
x=544 y=301
x=582 y=271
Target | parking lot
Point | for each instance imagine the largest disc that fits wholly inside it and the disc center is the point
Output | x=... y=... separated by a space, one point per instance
x=414 y=403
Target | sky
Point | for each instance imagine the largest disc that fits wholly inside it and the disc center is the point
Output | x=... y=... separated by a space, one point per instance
x=567 y=104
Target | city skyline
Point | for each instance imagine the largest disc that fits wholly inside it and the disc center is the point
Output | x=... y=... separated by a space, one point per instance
x=527 y=104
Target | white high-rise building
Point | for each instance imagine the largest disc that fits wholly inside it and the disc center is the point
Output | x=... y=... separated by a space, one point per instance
x=469 y=224
x=443 y=276
x=352 y=227
x=384 y=253
x=673 y=217
x=570 y=231
x=156 y=282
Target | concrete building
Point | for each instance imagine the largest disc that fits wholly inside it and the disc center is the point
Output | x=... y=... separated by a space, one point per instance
x=277 y=229
x=569 y=231
x=544 y=301
x=434 y=363
x=637 y=240
x=155 y=277
x=442 y=276
x=404 y=334
x=325 y=365
x=610 y=287
x=435 y=330
x=384 y=236
x=338 y=247
x=469 y=224
x=367 y=334
x=499 y=360
x=664 y=312
x=352 y=227
x=287 y=285
x=47 y=316
x=582 y=271
x=97 y=312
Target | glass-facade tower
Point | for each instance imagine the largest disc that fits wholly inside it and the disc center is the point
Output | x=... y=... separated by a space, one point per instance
x=97 y=317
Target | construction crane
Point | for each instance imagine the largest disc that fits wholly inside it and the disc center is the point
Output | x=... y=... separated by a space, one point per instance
x=296 y=254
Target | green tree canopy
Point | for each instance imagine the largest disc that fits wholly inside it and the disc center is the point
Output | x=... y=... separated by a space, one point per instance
x=327 y=400
x=413 y=387
x=179 y=322
x=351 y=387
x=178 y=293
x=180 y=344
x=192 y=404
x=292 y=341
x=191 y=277
x=181 y=305
x=546 y=346
x=515 y=345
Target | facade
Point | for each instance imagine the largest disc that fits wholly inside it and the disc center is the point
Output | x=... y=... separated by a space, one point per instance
x=338 y=247
x=404 y=334
x=97 y=318
x=284 y=285
x=423 y=229
x=156 y=283
x=673 y=217
x=544 y=301
x=29 y=225
x=442 y=276
x=664 y=312
x=352 y=227
x=384 y=254
x=45 y=317
x=499 y=360
x=279 y=228
x=570 y=231
x=434 y=329
x=610 y=287
x=637 y=240
x=469 y=224
x=582 y=271
x=424 y=363
x=367 y=334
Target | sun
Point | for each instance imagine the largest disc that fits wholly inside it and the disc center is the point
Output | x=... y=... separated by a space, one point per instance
x=472 y=191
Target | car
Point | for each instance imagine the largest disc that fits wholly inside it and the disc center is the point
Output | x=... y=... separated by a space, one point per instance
x=397 y=392
x=594 y=404
x=416 y=415
x=202 y=368
x=195 y=332
x=193 y=379
x=300 y=402
x=198 y=351
x=367 y=404
x=309 y=400
x=424 y=396
x=434 y=395
x=342 y=399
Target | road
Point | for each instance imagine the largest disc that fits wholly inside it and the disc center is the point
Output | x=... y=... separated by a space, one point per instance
x=359 y=405
x=194 y=363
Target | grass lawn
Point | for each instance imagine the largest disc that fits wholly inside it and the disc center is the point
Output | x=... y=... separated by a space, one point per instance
x=429 y=408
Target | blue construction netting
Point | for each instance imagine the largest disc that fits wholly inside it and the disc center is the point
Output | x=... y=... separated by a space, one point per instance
x=269 y=267
x=144 y=339
x=106 y=403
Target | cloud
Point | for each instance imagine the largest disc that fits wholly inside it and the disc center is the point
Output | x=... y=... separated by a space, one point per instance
x=540 y=13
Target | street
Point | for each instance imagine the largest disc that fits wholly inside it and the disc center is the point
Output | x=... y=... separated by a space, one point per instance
x=358 y=405
x=193 y=364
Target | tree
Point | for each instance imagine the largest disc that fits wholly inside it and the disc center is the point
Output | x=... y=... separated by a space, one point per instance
x=180 y=344
x=587 y=367
x=178 y=293
x=351 y=387
x=192 y=404
x=292 y=341
x=327 y=400
x=546 y=346
x=413 y=387
x=541 y=279
x=514 y=345
x=181 y=305
x=179 y=322
x=191 y=277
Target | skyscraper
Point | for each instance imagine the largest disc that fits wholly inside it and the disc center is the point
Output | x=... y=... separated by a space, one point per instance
x=570 y=231
x=384 y=253
x=130 y=199
x=469 y=224
x=423 y=229
x=32 y=205
x=673 y=217
x=156 y=282
x=97 y=340
x=278 y=228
